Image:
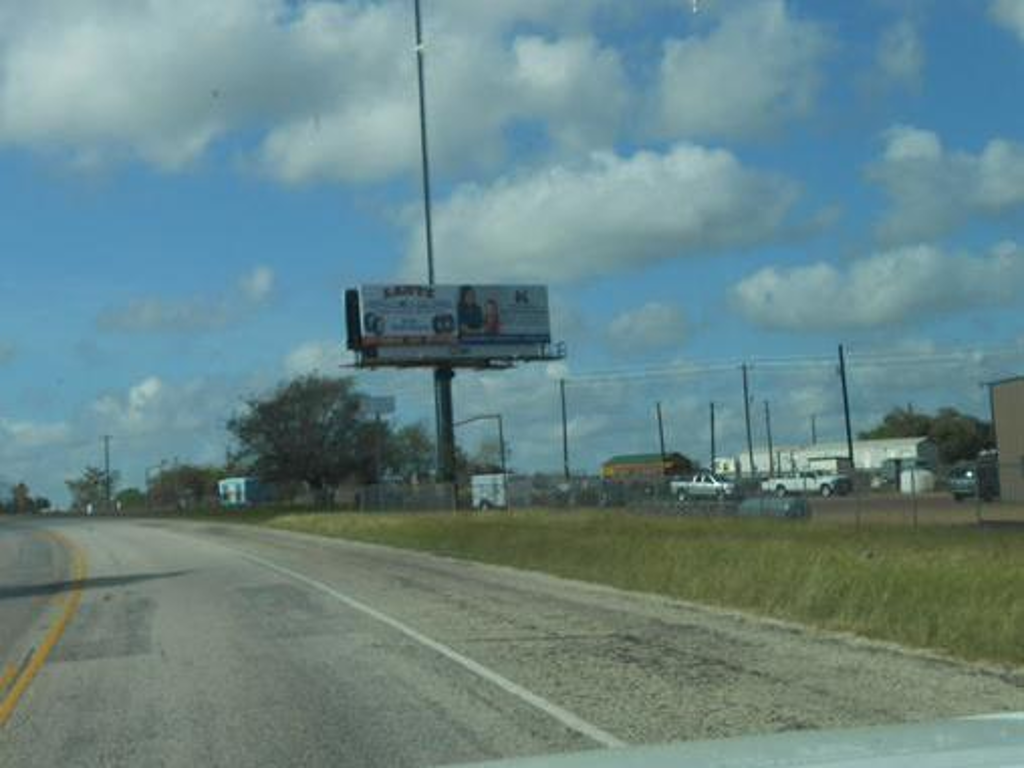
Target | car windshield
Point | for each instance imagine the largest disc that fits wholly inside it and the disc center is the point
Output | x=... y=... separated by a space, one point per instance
x=432 y=382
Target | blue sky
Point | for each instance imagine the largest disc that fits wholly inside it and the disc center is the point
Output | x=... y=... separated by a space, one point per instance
x=186 y=189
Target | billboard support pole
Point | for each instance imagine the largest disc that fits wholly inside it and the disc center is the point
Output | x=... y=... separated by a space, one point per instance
x=443 y=376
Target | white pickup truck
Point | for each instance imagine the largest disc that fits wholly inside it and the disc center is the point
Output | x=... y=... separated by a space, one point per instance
x=703 y=485
x=805 y=483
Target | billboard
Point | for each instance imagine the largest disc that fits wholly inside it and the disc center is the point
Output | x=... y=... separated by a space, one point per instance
x=405 y=323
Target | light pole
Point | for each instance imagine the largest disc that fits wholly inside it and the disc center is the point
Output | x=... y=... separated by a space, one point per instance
x=501 y=445
x=661 y=435
x=711 y=466
x=149 y=481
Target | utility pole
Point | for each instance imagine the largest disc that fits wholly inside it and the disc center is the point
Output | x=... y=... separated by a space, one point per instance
x=814 y=429
x=661 y=435
x=106 y=471
x=846 y=405
x=711 y=466
x=565 y=431
x=746 y=412
x=443 y=375
x=768 y=431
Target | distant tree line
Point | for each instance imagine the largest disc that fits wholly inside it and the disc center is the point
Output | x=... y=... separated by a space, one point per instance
x=18 y=499
x=307 y=437
x=958 y=436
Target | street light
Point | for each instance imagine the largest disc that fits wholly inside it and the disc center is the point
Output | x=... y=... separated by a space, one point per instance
x=149 y=480
x=501 y=445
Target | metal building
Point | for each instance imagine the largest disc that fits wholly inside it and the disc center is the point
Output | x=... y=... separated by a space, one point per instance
x=1008 y=418
x=868 y=455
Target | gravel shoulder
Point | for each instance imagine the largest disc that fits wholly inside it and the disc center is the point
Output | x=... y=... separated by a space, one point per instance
x=646 y=668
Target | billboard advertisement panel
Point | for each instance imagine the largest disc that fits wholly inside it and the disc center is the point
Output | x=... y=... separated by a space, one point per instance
x=409 y=322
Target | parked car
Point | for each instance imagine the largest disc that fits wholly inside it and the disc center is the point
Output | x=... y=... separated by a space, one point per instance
x=703 y=485
x=963 y=483
x=971 y=481
x=806 y=483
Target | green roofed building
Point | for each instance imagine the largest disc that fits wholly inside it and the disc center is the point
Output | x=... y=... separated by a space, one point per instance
x=646 y=466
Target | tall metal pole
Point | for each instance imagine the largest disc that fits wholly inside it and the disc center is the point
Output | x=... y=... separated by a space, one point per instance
x=106 y=470
x=443 y=375
x=814 y=429
x=746 y=412
x=711 y=466
x=768 y=431
x=424 y=154
x=565 y=431
x=661 y=435
x=846 y=406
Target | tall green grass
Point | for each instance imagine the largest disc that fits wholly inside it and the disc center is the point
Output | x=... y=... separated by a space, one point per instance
x=957 y=590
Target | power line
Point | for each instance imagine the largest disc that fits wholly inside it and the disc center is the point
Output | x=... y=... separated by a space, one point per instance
x=873 y=358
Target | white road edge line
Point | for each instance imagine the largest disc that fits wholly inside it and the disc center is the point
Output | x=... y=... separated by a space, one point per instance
x=560 y=714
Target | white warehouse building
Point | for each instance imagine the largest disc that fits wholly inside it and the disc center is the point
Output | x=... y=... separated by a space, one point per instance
x=869 y=455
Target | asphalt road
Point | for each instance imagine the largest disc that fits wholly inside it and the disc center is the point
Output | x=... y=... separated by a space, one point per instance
x=202 y=644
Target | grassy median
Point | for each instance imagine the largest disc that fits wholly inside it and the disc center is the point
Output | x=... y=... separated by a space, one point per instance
x=956 y=590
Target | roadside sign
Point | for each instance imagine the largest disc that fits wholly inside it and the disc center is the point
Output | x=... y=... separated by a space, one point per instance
x=377 y=405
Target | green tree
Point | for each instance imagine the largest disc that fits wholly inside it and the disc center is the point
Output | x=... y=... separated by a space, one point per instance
x=958 y=436
x=900 y=422
x=409 y=453
x=21 y=500
x=90 y=488
x=130 y=499
x=184 y=485
x=308 y=430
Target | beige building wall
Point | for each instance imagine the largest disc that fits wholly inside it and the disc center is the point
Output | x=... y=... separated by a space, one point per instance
x=1008 y=413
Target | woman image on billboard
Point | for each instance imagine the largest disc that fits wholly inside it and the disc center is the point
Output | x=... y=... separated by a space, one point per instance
x=492 y=318
x=471 y=316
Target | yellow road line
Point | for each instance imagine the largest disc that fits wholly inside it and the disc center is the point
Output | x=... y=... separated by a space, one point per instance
x=78 y=573
x=6 y=677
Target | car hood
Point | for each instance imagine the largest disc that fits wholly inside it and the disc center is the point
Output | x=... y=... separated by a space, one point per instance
x=981 y=742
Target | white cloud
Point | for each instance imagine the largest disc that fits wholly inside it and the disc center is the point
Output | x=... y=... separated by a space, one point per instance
x=21 y=434
x=317 y=357
x=654 y=325
x=933 y=191
x=1009 y=14
x=605 y=215
x=886 y=288
x=326 y=88
x=754 y=71
x=257 y=285
x=192 y=315
x=900 y=56
x=576 y=85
